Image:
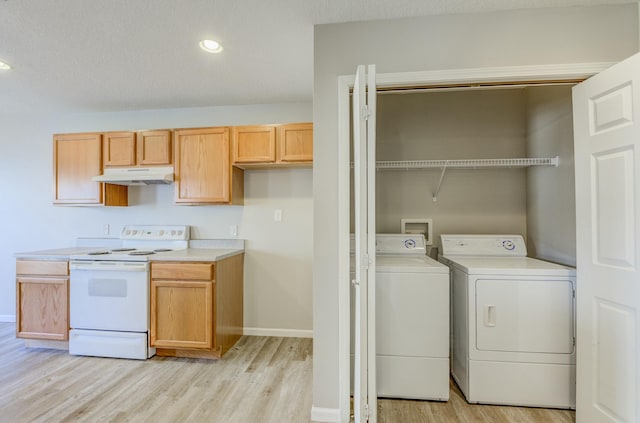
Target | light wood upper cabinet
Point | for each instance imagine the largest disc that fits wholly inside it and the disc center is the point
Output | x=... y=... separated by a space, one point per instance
x=77 y=158
x=42 y=300
x=153 y=148
x=295 y=143
x=272 y=146
x=203 y=171
x=254 y=144
x=144 y=148
x=119 y=149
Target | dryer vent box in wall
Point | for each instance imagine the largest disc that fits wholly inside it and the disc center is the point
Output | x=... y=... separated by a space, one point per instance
x=418 y=226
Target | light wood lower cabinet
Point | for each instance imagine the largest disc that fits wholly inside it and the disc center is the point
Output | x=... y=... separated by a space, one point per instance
x=196 y=308
x=42 y=300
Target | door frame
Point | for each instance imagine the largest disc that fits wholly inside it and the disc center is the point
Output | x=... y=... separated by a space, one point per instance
x=442 y=79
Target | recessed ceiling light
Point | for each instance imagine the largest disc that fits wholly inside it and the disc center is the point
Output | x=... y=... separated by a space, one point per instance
x=211 y=46
x=4 y=66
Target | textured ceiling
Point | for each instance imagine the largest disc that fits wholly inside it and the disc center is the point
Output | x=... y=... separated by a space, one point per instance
x=105 y=55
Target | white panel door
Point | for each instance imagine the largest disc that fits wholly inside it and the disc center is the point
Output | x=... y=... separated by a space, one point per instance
x=364 y=103
x=607 y=140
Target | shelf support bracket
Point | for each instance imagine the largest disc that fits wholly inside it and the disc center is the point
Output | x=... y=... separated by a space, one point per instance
x=435 y=193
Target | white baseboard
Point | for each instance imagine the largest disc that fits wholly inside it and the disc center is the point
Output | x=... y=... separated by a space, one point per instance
x=285 y=333
x=329 y=415
x=8 y=318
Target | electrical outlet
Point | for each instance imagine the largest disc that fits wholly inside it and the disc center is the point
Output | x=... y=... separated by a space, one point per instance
x=105 y=229
x=233 y=230
x=277 y=215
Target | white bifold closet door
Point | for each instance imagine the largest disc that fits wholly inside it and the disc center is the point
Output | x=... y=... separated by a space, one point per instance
x=606 y=109
x=364 y=158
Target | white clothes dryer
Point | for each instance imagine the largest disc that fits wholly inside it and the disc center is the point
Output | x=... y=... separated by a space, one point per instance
x=412 y=320
x=513 y=323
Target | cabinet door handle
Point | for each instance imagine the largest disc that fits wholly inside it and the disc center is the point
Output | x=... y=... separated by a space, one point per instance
x=489 y=315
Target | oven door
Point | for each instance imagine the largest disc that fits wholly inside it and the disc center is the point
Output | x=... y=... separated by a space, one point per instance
x=109 y=295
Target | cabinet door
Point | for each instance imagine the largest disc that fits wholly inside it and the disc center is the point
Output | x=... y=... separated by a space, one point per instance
x=202 y=166
x=154 y=147
x=182 y=314
x=76 y=159
x=42 y=308
x=119 y=149
x=254 y=144
x=295 y=142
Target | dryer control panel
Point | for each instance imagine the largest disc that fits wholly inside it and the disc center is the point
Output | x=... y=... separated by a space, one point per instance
x=484 y=245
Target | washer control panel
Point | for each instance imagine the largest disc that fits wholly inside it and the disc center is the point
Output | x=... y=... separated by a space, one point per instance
x=400 y=244
x=411 y=244
x=483 y=245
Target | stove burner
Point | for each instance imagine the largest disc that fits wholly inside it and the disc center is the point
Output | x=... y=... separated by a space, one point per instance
x=98 y=253
x=119 y=250
x=141 y=253
x=162 y=250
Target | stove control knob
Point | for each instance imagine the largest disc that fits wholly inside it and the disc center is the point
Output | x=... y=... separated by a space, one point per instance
x=161 y=232
x=134 y=232
x=180 y=233
x=127 y=232
x=173 y=233
x=508 y=245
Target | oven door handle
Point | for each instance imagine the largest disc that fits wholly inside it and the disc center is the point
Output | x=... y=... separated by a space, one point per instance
x=109 y=266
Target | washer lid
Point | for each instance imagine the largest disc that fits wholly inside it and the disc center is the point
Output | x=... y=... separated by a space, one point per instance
x=515 y=266
x=406 y=264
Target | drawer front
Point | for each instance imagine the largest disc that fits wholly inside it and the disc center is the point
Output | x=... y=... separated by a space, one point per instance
x=183 y=271
x=42 y=267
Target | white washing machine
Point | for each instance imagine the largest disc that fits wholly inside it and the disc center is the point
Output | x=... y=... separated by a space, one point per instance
x=513 y=323
x=412 y=320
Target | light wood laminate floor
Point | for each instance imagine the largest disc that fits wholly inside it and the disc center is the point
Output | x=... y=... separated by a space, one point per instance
x=260 y=380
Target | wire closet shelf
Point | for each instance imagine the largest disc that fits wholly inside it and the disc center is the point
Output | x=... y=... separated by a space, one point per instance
x=465 y=164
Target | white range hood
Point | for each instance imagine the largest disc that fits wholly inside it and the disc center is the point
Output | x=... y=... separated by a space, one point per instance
x=136 y=175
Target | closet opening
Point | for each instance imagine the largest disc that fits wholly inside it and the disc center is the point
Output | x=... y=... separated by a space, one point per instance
x=479 y=133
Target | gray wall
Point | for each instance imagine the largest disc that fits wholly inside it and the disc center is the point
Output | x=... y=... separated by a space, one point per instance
x=526 y=37
x=551 y=219
x=538 y=203
x=278 y=275
x=477 y=124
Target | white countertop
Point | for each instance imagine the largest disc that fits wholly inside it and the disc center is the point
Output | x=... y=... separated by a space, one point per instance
x=190 y=254
x=197 y=254
x=54 y=254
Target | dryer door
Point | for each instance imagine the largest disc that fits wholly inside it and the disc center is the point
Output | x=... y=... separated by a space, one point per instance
x=527 y=316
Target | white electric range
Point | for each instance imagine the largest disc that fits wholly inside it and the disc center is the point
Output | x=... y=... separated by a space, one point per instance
x=109 y=292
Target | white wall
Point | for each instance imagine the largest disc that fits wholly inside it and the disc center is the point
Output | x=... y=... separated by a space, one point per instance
x=475 y=124
x=527 y=37
x=551 y=202
x=278 y=259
